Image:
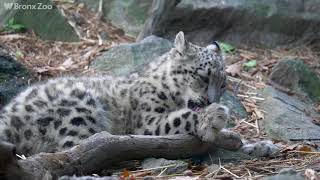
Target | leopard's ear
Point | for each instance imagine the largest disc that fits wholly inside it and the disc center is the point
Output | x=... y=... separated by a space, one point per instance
x=180 y=43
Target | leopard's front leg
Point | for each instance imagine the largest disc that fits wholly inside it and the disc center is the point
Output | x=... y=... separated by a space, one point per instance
x=213 y=119
x=205 y=124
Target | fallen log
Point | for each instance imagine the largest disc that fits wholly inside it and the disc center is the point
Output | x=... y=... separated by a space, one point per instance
x=102 y=150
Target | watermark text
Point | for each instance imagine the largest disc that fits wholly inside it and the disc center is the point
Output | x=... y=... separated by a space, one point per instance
x=37 y=6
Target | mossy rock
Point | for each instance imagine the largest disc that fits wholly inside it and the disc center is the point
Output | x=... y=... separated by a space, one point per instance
x=128 y=58
x=309 y=81
x=297 y=76
x=45 y=20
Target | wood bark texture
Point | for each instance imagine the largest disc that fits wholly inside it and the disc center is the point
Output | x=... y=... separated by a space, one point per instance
x=103 y=150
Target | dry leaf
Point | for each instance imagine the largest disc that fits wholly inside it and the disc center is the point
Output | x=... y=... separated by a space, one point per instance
x=248 y=109
x=260 y=85
x=290 y=147
x=247 y=56
x=310 y=174
x=304 y=148
x=234 y=69
x=264 y=68
x=258 y=113
x=318 y=108
x=125 y=174
x=246 y=76
x=68 y=63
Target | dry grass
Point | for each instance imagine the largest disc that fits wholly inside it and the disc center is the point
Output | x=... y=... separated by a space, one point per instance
x=52 y=58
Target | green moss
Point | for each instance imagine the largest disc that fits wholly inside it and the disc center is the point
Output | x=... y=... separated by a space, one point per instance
x=49 y=24
x=138 y=12
x=3 y=77
x=309 y=80
x=263 y=9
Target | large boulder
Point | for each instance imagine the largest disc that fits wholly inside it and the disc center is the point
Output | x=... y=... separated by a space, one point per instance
x=288 y=118
x=39 y=15
x=266 y=23
x=127 y=58
x=295 y=76
x=13 y=78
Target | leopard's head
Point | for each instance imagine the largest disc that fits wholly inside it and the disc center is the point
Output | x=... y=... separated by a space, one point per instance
x=206 y=70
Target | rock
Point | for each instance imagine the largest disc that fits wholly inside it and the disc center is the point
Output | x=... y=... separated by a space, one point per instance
x=188 y=173
x=297 y=77
x=104 y=35
x=272 y=22
x=213 y=168
x=177 y=167
x=285 y=117
x=43 y=20
x=149 y=178
x=88 y=178
x=127 y=58
x=224 y=156
x=286 y=174
x=128 y=15
x=234 y=104
x=13 y=78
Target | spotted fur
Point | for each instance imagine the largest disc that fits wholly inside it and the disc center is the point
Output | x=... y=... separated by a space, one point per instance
x=162 y=100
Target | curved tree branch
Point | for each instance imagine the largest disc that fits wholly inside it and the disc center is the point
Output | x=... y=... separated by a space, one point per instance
x=103 y=150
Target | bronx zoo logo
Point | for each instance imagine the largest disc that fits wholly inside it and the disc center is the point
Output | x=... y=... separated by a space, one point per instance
x=18 y=6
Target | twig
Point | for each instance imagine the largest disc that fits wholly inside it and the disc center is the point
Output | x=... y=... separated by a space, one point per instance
x=257 y=127
x=306 y=152
x=223 y=168
x=252 y=97
x=155 y=168
x=164 y=170
x=100 y=6
x=233 y=79
x=249 y=173
x=248 y=124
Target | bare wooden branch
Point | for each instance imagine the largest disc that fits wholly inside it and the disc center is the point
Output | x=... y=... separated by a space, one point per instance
x=103 y=150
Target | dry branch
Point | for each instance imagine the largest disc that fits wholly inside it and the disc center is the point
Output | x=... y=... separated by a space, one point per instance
x=103 y=150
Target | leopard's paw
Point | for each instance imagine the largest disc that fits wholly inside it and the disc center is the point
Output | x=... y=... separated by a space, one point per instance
x=213 y=119
x=260 y=149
